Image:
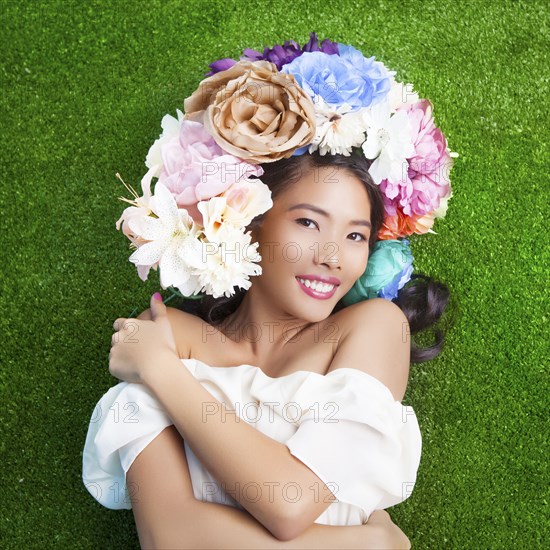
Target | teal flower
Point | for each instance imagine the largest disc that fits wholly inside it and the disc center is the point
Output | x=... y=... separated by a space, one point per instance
x=389 y=268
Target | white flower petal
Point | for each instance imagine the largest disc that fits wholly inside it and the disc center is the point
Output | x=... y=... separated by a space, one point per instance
x=148 y=253
x=164 y=205
x=143 y=271
x=190 y=250
x=146 y=181
x=173 y=269
x=147 y=227
x=171 y=128
x=190 y=287
x=377 y=171
x=371 y=147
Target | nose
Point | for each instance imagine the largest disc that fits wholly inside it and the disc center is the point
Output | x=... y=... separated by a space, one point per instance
x=328 y=255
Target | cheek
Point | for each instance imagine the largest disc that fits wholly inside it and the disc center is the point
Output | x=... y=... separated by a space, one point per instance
x=358 y=263
x=278 y=250
x=287 y=244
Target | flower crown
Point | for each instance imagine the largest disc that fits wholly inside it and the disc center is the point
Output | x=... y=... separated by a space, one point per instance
x=287 y=101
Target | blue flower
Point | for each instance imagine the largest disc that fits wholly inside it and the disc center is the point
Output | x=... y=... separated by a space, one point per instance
x=300 y=151
x=375 y=74
x=345 y=78
x=389 y=268
x=389 y=292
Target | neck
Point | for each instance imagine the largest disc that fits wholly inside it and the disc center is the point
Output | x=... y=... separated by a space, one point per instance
x=260 y=328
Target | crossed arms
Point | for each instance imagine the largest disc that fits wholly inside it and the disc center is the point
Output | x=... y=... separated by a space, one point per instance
x=166 y=511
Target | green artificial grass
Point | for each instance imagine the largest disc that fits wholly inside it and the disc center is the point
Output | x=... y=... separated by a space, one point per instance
x=84 y=88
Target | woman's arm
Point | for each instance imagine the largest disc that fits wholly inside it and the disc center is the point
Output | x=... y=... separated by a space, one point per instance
x=254 y=468
x=217 y=526
x=168 y=516
x=221 y=441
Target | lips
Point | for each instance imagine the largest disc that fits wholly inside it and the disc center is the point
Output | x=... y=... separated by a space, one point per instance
x=321 y=278
x=315 y=293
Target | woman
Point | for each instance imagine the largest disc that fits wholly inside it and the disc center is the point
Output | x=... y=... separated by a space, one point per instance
x=178 y=444
x=159 y=475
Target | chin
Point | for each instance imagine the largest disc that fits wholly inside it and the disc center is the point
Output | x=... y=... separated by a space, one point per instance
x=317 y=314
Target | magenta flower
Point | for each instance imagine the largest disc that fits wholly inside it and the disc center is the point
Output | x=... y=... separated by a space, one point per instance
x=426 y=180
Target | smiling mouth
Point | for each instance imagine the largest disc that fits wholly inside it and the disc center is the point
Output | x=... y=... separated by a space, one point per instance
x=317 y=289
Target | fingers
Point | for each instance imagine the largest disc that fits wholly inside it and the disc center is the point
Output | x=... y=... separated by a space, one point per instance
x=126 y=330
x=119 y=323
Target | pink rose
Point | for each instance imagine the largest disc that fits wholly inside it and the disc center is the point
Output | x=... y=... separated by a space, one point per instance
x=195 y=168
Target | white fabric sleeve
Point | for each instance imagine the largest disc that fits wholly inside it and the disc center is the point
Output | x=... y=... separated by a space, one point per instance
x=125 y=420
x=357 y=439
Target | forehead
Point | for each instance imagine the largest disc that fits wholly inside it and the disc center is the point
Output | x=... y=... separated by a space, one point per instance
x=331 y=185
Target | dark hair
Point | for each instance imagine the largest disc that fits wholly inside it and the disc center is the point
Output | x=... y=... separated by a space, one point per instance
x=423 y=299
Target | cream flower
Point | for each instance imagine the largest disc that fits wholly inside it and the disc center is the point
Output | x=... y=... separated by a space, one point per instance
x=337 y=130
x=245 y=200
x=228 y=262
x=253 y=111
x=213 y=216
x=238 y=206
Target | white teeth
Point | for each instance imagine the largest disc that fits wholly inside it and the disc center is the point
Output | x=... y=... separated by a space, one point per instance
x=317 y=285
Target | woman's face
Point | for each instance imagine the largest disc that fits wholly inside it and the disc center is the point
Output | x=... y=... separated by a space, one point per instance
x=297 y=240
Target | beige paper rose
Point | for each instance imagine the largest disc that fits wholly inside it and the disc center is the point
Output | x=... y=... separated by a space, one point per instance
x=253 y=111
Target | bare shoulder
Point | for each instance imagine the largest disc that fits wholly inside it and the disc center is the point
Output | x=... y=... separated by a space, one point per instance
x=185 y=327
x=378 y=309
x=375 y=338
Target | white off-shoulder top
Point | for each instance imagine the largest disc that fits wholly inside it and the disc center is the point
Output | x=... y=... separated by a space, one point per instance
x=345 y=426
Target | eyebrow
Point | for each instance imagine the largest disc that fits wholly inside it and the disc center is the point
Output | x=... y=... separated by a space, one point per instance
x=325 y=213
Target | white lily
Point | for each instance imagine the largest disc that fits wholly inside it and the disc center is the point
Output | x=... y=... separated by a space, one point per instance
x=172 y=240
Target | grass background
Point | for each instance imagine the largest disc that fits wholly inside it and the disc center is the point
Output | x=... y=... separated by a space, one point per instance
x=84 y=87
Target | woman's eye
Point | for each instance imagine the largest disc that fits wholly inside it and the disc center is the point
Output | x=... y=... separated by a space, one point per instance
x=306 y=221
x=299 y=220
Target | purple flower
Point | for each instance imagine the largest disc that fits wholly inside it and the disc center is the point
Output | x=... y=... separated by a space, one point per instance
x=220 y=65
x=327 y=45
x=280 y=55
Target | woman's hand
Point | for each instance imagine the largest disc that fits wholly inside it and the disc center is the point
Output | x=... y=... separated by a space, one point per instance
x=391 y=537
x=139 y=345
